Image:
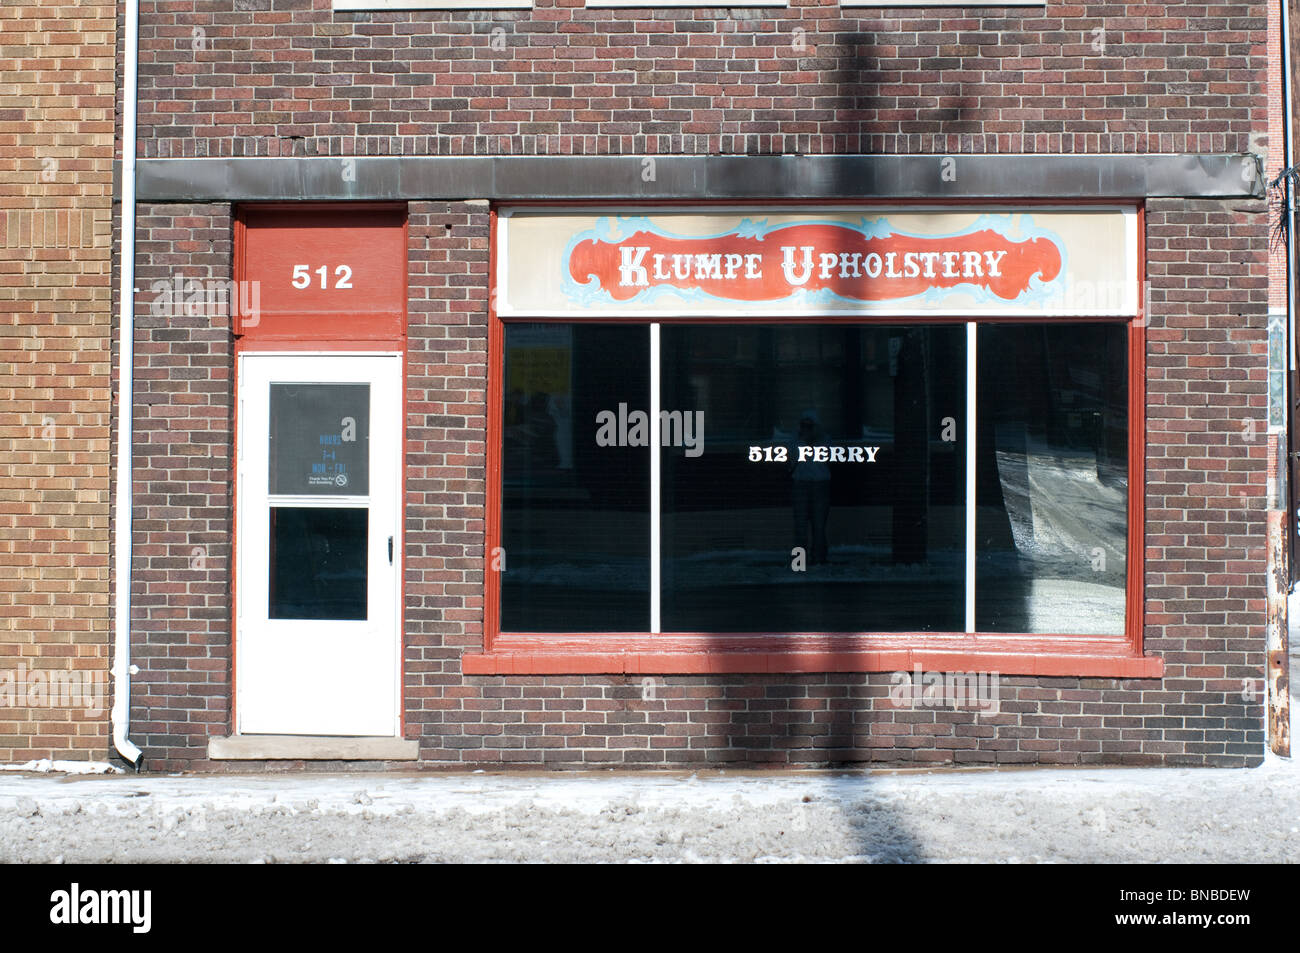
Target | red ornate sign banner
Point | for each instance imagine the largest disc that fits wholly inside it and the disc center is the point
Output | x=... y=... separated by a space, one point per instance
x=585 y=263
x=813 y=257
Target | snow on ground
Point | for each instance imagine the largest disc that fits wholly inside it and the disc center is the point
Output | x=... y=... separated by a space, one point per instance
x=1021 y=815
x=45 y=766
x=1149 y=815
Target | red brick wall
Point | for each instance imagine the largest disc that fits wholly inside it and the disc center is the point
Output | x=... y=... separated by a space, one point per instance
x=305 y=81
x=446 y=423
x=1205 y=560
x=181 y=574
x=1207 y=398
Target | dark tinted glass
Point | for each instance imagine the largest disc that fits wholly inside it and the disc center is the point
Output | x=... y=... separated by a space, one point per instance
x=575 y=522
x=320 y=439
x=1052 y=479
x=881 y=543
x=318 y=563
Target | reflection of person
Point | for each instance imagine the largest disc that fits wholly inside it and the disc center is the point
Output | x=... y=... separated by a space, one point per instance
x=530 y=442
x=514 y=411
x=539 y=429
x=810 y=493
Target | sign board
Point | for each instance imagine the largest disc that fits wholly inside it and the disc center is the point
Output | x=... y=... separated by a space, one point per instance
x=319 y=439
x=809 y=262
x=321 y=273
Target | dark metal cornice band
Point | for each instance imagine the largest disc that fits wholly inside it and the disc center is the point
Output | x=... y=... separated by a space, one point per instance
x=651 y=178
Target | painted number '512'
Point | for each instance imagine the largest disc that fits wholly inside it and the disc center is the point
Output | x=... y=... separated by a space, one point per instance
x=342 y=276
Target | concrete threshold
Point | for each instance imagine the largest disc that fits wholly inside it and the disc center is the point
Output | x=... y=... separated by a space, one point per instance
x=311 y=748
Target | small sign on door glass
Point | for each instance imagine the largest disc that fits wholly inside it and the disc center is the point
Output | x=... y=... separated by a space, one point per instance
x=320 y=439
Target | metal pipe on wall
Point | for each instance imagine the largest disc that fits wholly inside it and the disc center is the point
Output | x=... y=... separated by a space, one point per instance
x=122 y=505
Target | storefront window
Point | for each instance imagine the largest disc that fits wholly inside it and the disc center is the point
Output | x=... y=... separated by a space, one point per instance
x=808 y=437
x=1052 y=479
x=813 y=478
x=575 y=520
x=869 y=538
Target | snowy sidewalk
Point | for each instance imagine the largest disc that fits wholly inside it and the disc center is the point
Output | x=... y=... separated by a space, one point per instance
x=1030 y=815
x=1144 y=815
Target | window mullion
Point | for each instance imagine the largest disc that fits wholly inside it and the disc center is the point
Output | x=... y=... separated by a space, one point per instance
x=656 y=453
x=971 y=415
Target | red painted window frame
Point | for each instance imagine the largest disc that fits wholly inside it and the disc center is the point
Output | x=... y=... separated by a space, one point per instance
x=348 y=337
x=640 y=653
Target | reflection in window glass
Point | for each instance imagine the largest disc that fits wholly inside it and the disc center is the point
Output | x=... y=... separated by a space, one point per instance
x=876 y=515
x=575 y=522
x=1052 y=481
x=318 y=563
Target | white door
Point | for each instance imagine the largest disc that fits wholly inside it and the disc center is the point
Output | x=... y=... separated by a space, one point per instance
x=318 y=544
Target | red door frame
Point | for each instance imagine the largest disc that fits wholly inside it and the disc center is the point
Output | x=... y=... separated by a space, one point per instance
x=536 y=653
x=248 y=341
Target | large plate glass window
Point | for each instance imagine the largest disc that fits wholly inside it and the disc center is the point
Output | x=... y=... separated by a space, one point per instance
x=815 y=478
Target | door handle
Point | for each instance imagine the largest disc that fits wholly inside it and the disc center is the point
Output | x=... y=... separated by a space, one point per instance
x=390 y=550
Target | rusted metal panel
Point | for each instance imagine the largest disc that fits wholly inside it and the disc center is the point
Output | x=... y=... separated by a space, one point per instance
x=1279 y=708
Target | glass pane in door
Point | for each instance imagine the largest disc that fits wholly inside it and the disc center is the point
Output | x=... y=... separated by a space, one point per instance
x=320 y=439
x=318 y=564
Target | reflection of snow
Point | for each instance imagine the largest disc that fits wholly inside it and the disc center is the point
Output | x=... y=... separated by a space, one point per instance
x=1047 y=594
x=1064 y=518
x=1069 y=527
x=541 y=568
x=1051 y=594
x=848 y=564
x=1074 y=606
x=733 y=567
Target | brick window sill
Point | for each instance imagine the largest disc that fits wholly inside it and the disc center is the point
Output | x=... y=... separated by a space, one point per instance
x=692 y=654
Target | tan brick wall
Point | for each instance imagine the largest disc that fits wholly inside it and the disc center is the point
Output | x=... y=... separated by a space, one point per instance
x=56 y=153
